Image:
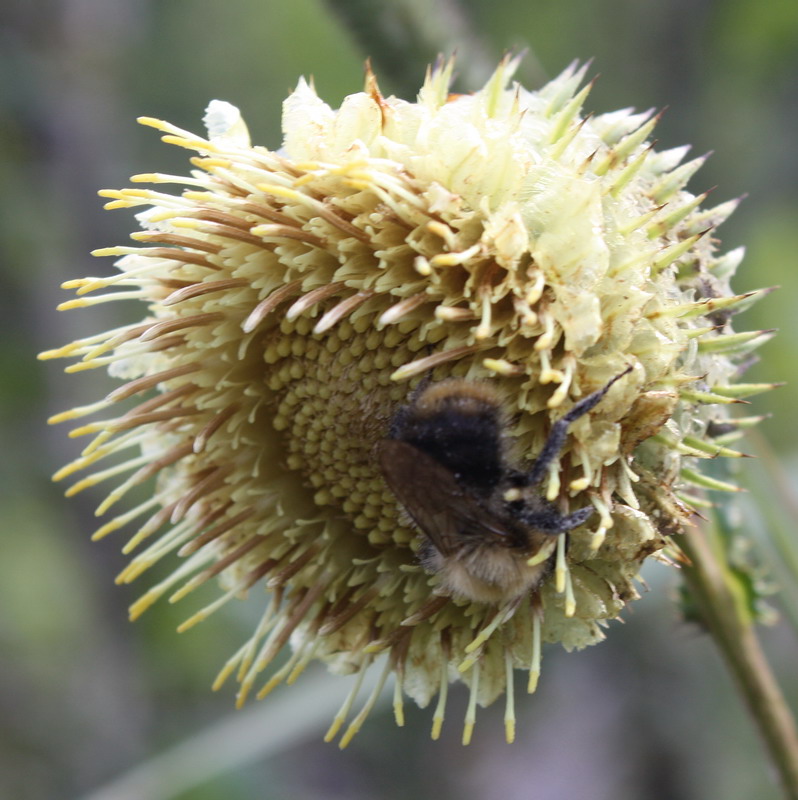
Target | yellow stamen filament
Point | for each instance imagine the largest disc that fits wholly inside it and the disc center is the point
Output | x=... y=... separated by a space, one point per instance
x=499 y=618
x=421 y=266
x=483 y=329
x=308 y=653
x=162 y=177
x=175 y=255
x=171 y=540
x=543 y=554
x=122 y=520
x=343 y=712
x=121 y=490
x=80 y=346
x=570 y=600
x=561 y=567
x=444 y=232
x=398 y=702
x=245 y=655
x=509 y=693
x=455 y=258
x=562 y=390
x=153 y=524
x=605 y=523
x=471 y=711
x=546 y=340
x=206 y=611
x=124 y=353
x=547 y=374
x=153 y=594
x=83 y=302
x=75 y=413
x=358 y=721
x=527 y=317
x=553 y=483
x=580 y=484
x=98 y=477
x=278 y=638
x=502 y=367
x=130 y=439
x=218 y=567
x=535 y=290
x=281 y=674
x=129 y=276
x=440 y=708
x=113 y=342
x=534 y=667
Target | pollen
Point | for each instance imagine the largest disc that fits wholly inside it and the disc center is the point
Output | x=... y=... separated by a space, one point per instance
x=292 y=300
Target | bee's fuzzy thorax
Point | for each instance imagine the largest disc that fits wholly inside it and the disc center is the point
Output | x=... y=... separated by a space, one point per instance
x=460 y=423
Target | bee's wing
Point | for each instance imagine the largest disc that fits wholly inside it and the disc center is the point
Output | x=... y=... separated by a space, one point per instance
x=445 y=511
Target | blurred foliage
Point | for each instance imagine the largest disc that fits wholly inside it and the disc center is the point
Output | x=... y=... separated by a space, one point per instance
x=84 y=696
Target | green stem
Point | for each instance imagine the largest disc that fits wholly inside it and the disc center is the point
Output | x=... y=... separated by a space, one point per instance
x=734 y=634
x=402 y=36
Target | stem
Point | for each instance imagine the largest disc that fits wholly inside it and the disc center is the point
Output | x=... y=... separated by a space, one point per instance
x=402 y=36
x=734 y=634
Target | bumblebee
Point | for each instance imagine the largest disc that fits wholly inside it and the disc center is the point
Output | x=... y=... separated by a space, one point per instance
x=487 y=531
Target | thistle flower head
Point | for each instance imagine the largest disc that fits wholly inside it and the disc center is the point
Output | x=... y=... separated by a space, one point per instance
x=292 y=300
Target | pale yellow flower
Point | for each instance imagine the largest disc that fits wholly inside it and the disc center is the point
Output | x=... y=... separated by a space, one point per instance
x=294 y=299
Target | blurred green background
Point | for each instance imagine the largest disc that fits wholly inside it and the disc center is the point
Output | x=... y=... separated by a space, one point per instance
x=85 y=697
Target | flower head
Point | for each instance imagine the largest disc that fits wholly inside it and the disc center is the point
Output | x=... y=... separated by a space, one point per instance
x=293 y=300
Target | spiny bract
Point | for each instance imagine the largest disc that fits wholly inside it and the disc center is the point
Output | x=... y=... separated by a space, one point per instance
x=293 y=299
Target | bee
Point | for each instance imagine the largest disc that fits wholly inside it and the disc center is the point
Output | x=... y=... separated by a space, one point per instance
x=487 y=532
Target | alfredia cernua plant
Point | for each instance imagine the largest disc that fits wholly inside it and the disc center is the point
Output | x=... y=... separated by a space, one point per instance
x=291 y=300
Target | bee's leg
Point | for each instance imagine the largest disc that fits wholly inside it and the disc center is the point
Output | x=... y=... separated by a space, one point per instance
x=576 y=518
x=559 y=431
x=549 y=520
